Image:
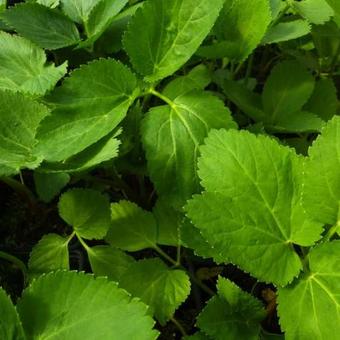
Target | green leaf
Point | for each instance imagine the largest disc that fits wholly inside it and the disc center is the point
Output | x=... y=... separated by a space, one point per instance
x=163 y=289
x=46 y=27
x=324 y=101
x=171 y=136
x=108 y=261
x=285 y=31
x=23 y=66
x=233 y=312
x=90 y=308
x=100 y=19
x=249 y=102
x=287 y=89
x=132 y=228
x=87 y=211
x=306 y=305
x=197 y=336
x=10 y=325
x=78 y=10
x=315 y=11
x=240 y=28
x=168 y=222
x=19 y=120
x=49 y=254
x=335 y=5
x=99 y=152
x=47 y=3
x=49 y=185
x=197 y=79
x=321 y=189
x=88 y=106
x=172 y=32
x=250 y=211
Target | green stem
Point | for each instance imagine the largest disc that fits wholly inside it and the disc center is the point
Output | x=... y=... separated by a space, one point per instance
x=200 y=284
x=10 y=258
x=162 y=97
x=83 y=243
x=179 y=326
x=332 y=231
x=165 y=255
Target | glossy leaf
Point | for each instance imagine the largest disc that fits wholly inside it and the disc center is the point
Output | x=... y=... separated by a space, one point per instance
x=171 y=136
x=160 y=287
x=250 y=211
x=88 y=306
x=172 y=32
x=88 y=106
x=87 y=211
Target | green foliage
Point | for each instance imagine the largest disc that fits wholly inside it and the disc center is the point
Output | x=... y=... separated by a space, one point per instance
x=186 y=153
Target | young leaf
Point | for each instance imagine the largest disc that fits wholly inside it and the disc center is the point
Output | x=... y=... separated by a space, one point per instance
x=108 y=261
x=88 y=106
x=78 y=10
x=46 y=27
x=87 y=211
x=240 y=28
x=197 y=79
x=315 y=11
x=285 y=31
x=47 y=3
x=132 y=228
x=305 y=306
x=172 y=32
x=10 y=325
x=250 y=211
x=163 y=289
x=19 y=120
x=324 y=101
x=233 y=312
x=82 y=307
x=171 y=136
x=49 y=185
x=321 y=189
x=23 y=66
x=49 y=254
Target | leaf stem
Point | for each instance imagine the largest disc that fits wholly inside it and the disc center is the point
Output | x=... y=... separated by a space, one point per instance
x=83 y=243
x=165 y=255
x=17 y=262
x=162 y=97
x=179 y=326
x=332 y=230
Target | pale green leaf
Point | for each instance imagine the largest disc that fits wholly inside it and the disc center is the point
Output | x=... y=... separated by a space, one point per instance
x=197 y=79
x=309 y=308
x=285 y=31
x=46 y=27
x=250 y=211
x=241 y=26
x=335 y=4
x=315 y=11
x=132 y=228
x=171 y=136
x=108 y=261
x=321 y=190
x=49 y=185
x=233 y=312
x=19 y=119
x=160 y=287
x=49 y=254
x=287 y=89
x=172 y=32
x=324 y=101
x=23 y=66
x=276 y=6
x=10 y=324
x=87 y=211
x=78 y=10
x=70 y=305
x=103 y=150
x=88 y=106
x=48 y=3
